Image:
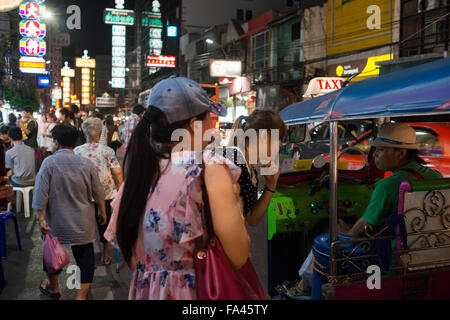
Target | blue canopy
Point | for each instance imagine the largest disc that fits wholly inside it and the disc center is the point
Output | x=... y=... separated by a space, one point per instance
x=419 y=90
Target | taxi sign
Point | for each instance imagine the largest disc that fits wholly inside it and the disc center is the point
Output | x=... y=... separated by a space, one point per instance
x=323 y=85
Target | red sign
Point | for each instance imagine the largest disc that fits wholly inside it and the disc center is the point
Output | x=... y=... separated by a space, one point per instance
x=31 y=10
x=161 y=61
x=225 y=80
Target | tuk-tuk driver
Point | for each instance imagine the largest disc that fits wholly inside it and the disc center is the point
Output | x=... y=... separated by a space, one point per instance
x=396 y=151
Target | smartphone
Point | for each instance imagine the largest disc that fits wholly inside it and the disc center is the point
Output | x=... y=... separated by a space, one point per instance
x=3 y=202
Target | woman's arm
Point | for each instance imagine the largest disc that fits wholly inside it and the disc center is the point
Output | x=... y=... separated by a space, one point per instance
x=117 y=175
x=257 y=213
x=226 y=213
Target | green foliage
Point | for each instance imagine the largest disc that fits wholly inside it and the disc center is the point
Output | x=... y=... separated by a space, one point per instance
x=20 y=97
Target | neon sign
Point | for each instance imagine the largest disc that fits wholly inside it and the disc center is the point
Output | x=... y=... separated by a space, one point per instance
x=32 y=29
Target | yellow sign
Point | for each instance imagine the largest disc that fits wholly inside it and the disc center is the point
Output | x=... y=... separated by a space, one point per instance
x=356 y=25
x=68 y=73
x=85 y=63
x=339 y=71
x=303 y=165
x=371 y=69
x=365 y=69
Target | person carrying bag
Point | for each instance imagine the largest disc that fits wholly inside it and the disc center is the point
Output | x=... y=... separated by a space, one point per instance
x=216 y=278
x=157 y=214
x=55 y=257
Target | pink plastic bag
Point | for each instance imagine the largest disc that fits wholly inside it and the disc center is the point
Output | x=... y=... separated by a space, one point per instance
x=55 y=257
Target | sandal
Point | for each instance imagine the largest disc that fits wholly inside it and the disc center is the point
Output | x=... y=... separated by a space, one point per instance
x=48 y=291
x=107 y=262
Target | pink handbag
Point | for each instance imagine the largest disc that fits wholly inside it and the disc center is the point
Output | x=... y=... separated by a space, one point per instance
x=216 y=279
x=55 y=257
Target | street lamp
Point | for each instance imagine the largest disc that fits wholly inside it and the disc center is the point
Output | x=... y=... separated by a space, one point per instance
x=48 y=14
x=209 y=41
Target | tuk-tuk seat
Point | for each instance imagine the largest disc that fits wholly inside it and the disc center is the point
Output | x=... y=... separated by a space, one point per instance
x=425 y=205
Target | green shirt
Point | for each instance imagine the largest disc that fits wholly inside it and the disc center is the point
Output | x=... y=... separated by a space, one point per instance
x=32 y=137
x=384 y=200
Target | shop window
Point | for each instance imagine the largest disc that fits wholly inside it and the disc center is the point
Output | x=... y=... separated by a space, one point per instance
x=248 y=15
x=410 y=8
x=201 y=46
x=260 y=51
x=429 y=140
x=240 y=14
x=295 y=32
x=289 y=3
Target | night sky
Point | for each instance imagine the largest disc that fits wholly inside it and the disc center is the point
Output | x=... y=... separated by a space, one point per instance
x=94 y=35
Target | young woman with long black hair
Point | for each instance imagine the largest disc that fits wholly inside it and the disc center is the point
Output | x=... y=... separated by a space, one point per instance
x=157 y=213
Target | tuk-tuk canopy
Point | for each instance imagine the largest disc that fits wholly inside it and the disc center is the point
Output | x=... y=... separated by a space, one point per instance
x=419 y=90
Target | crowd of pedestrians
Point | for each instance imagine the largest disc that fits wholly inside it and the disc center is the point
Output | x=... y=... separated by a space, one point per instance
x=75 y=179
x=156 y=217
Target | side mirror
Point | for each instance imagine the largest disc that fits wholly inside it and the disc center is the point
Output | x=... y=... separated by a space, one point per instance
x=297 y=133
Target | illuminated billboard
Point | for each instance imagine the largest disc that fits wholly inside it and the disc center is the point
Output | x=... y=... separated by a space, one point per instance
x=87 y=66
x=7 y=5
x=43 y=81
x=356 y=25
x=161 y=61
x=119 y=17
x=85 y=63
x=32 y=47
x=32 y=29
x=32 y=65
x=225 y=68
x=31 y=10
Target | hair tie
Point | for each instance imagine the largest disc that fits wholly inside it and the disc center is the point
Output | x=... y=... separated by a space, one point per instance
x=244 y=120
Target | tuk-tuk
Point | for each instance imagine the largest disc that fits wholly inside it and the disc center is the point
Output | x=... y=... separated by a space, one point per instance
x=310 y=198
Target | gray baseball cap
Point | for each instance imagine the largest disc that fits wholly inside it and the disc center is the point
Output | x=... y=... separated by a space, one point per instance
x=181 y=99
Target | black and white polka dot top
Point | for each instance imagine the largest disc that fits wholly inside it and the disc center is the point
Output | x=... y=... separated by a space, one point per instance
x=249 y=185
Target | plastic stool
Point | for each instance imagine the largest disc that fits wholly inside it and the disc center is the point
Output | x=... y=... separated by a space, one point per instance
x=25 y=191
x=4 y=216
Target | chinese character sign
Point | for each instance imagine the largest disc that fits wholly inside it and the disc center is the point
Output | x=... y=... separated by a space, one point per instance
x=120 y=19
x=32 y=47
x=31 y=10
x=155 y=33
x=33 y=30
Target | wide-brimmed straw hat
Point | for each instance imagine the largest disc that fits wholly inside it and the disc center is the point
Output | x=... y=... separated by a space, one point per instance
x=396 y=135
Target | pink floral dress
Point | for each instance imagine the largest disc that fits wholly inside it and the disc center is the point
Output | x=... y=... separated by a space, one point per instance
x=172 y=221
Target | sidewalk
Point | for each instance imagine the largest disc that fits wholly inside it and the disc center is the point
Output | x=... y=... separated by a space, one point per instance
x=23 y=269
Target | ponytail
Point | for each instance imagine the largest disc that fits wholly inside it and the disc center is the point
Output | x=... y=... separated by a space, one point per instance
x=142 y=170
x=149 y=144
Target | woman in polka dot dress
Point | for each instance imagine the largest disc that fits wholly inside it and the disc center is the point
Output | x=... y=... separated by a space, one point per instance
x=260 y=121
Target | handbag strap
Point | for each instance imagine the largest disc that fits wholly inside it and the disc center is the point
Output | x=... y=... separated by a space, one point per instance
x=206 y=214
